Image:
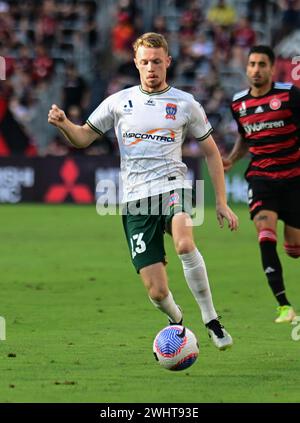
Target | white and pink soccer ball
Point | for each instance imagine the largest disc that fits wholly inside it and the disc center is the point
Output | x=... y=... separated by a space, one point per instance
x=176 y=347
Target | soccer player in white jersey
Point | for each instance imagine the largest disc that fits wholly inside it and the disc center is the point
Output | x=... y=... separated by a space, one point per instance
x=150 y=122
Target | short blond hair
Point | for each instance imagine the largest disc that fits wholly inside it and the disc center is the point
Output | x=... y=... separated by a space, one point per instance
x=152 y=40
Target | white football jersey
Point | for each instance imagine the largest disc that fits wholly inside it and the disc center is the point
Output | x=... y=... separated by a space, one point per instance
x=150 y=128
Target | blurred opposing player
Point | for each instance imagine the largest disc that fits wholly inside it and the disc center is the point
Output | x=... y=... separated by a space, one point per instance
x=150 y=123
x=268 y=121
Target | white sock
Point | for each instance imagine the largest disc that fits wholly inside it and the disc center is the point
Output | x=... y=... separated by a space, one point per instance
x=169 y=307
x=196 y=276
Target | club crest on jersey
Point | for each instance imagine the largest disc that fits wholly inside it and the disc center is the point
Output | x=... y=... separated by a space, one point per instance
x=174 y=199
x=171 y=110
x=275 y=104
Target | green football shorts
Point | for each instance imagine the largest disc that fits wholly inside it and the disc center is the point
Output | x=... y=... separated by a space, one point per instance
x=145 y=222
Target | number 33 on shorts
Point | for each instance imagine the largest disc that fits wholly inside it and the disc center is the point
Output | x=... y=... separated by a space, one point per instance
x=138 y=246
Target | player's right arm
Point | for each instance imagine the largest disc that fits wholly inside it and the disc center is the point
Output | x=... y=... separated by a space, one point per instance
x=78 y=136
x=239 y=150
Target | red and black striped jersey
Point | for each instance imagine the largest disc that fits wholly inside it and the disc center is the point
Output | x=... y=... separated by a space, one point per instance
x=270 y=125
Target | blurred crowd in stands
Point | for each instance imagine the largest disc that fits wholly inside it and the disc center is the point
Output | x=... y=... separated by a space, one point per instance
x=76 y=52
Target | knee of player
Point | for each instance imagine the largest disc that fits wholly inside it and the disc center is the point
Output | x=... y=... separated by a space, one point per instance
x=292 y=250
x=184 y=246
x=267 y=235
x=158 y=293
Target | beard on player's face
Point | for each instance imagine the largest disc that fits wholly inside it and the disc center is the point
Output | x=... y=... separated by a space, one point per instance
x=154 y=82
x=258 y=84
x=259 y=80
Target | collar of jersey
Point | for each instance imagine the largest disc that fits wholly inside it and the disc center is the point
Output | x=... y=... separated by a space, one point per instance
x=156 y=92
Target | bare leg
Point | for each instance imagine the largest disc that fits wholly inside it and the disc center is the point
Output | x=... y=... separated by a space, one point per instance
x=155 y=281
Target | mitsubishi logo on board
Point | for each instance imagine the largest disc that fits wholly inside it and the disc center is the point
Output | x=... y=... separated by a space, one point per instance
x=69 y=173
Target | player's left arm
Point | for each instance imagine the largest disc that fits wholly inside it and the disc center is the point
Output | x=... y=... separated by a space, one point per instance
x=216 y=172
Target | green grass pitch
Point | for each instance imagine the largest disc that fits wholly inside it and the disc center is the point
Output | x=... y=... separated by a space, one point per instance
x=80 y=327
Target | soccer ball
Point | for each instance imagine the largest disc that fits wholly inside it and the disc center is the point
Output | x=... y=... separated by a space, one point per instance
x=175 y=347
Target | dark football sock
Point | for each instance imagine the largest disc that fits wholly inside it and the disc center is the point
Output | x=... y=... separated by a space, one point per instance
x=273 y=270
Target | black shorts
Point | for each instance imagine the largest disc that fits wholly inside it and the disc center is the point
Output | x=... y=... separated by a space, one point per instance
x=282 y=197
